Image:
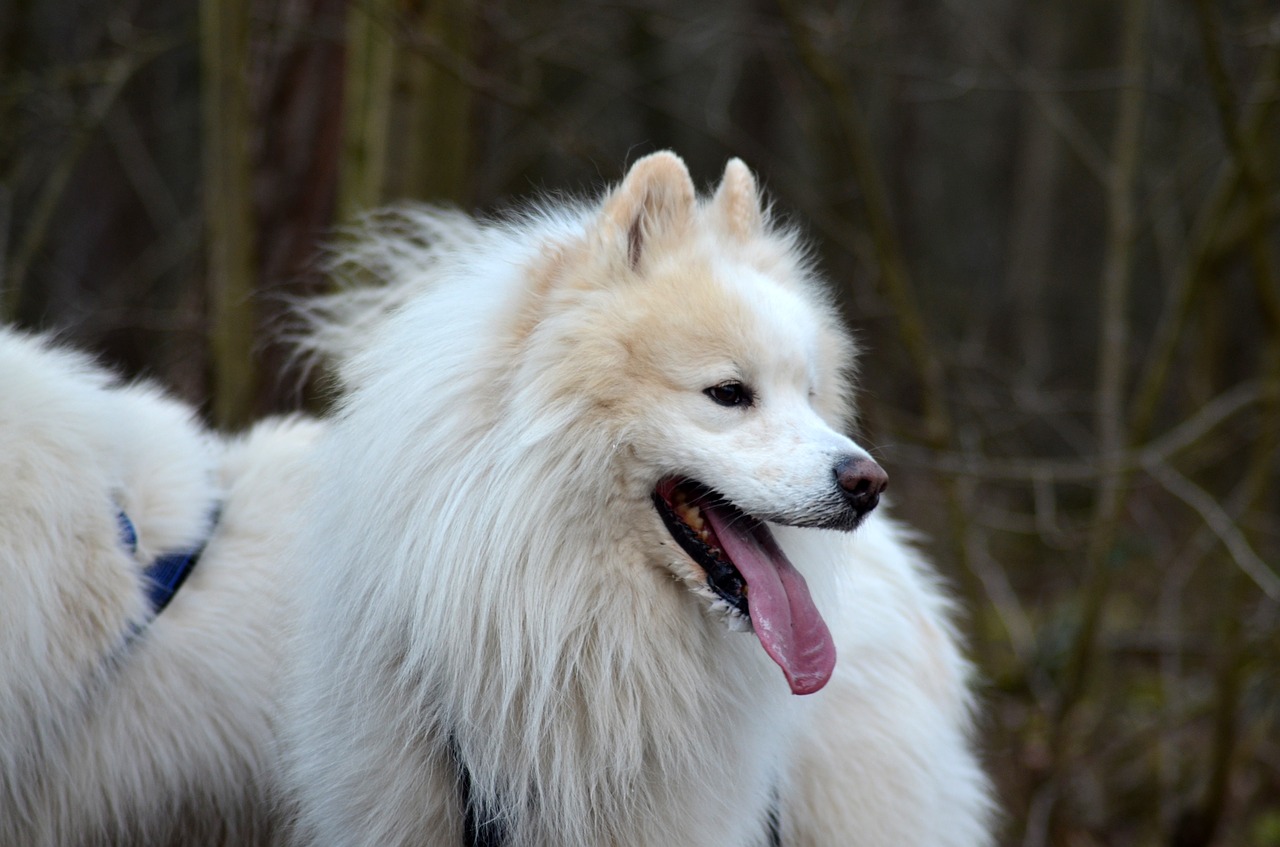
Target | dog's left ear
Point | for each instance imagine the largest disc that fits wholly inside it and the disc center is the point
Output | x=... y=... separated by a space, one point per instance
x=655 y=200
x=735 y=207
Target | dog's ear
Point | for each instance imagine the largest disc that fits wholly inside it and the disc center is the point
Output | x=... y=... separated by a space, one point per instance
x=736 y=204
x=655 y=199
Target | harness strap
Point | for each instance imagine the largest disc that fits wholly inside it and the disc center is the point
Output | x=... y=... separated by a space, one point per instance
x=482 y=828
x=166 y=573
x=773 y=822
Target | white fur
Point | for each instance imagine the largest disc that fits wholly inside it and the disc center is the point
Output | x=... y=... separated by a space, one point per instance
x=484 y=564
x=165 y=738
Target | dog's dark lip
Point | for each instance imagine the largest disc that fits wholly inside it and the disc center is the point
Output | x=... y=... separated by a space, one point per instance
x=723 y=576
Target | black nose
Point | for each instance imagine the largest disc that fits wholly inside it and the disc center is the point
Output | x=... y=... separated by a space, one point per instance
x=861 y=482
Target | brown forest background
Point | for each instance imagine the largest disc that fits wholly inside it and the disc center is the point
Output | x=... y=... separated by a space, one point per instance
x=1054 y=225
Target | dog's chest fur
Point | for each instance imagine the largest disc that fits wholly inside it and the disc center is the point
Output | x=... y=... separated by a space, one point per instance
x=629 y=756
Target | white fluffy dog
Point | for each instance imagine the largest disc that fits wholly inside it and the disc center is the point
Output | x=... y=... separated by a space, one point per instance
x=580 y=457
x=134 y=711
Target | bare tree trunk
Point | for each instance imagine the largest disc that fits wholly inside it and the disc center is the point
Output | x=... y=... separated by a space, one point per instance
x=13 y=43
x=228 y=205
x=366 y=107
x=1199 y=825
x=1034 y=201
x=1113 y=350
x=436 y=144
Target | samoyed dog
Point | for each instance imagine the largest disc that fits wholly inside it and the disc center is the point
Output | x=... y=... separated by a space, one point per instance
x=140 y=609
x=588 y=560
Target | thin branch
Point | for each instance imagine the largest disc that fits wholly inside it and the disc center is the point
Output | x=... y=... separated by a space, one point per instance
x=1013 y=617
x=1089 y=469
x=1044 y=95
x=1245 y=157
x=139 y=167
x=432 y=46
x=1206 y=237
x=1220 y=523
x=117 y=73
x=1209 y=416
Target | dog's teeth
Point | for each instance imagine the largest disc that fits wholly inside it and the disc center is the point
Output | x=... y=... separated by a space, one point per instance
x=692 y=517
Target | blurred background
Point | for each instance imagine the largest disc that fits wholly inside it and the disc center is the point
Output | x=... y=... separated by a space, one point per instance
x=1053 y=225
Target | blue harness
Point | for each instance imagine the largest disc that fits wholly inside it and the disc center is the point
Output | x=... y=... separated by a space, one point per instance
x=165 y=575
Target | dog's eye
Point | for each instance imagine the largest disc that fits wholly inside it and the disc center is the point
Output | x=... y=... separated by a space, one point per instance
x=730 y=394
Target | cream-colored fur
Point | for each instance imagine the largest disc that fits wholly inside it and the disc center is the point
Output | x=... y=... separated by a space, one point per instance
x=164 y=737
x=487 y=579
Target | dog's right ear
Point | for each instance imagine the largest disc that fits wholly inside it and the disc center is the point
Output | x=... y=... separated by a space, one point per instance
x=736 y=204
x=655 y=202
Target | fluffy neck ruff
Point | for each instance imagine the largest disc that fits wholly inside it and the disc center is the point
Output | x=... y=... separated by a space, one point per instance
x=590 y=696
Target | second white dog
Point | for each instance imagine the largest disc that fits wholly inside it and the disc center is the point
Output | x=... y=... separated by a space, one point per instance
x=141 y=611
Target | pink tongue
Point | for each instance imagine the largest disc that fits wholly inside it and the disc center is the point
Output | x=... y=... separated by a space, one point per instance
x=787 y=623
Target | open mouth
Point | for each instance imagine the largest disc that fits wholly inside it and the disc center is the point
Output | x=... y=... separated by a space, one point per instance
x=681 y=505
x=747 y=569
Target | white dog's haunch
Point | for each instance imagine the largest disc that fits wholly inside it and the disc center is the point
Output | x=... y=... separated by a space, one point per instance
x=588 y=560
x=141 y=611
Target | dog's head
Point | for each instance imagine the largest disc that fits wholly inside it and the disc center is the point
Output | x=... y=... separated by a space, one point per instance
x=727 y=369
